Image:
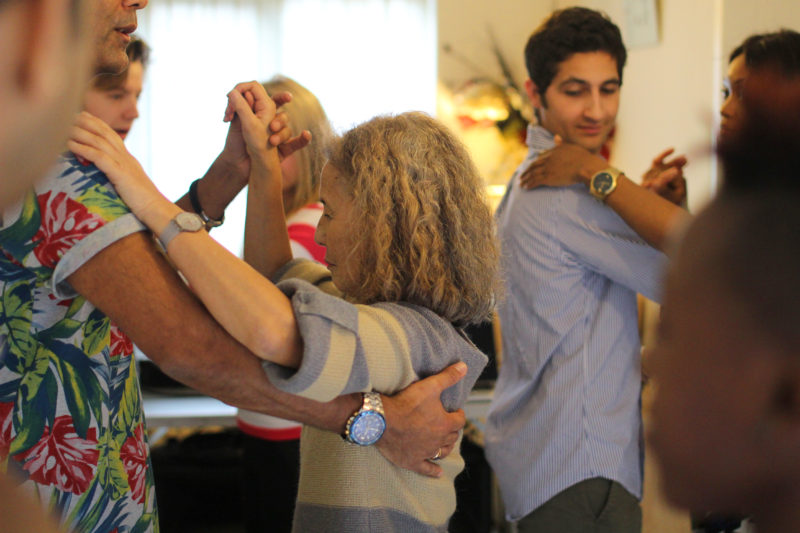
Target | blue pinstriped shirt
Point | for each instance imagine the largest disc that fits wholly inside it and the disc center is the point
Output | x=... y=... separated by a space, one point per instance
x=566 y=405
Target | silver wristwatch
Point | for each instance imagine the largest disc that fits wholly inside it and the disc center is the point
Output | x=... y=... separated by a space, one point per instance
x=366 y=426
x=182 y=222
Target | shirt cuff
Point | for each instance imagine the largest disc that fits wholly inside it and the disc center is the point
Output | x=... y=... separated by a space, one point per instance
x=88 y=247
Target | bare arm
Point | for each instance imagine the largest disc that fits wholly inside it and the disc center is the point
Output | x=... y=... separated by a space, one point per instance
x=651 y=216
x=647 y=213
x=266 y=240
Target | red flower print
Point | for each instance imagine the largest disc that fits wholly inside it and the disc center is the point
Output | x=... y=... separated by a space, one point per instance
x=63 y=459
x=64 y=223
x=6 y=428
x=121 y=345
x=134 y=458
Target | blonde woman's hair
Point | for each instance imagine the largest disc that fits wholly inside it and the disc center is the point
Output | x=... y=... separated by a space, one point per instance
x=428 y=235
x=305 y=113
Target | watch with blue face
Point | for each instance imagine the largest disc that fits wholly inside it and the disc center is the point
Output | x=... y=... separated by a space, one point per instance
x=366 y=426
x=603 y=183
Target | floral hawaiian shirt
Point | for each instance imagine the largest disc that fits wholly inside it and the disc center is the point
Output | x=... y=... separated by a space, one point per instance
x=71 y=422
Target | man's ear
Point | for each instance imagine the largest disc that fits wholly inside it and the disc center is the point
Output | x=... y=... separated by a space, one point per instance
x=533 y=93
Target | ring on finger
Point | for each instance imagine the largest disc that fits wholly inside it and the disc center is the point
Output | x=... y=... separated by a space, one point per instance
x=437 y=456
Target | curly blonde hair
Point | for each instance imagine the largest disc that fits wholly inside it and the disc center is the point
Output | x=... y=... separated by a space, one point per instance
x=419 y=202
x=305 y=113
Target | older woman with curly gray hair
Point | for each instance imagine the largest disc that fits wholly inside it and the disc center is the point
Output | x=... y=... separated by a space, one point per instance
x=412 y=258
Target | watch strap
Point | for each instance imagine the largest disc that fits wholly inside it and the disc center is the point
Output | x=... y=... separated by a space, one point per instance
x=174 y=228
x=194 y=198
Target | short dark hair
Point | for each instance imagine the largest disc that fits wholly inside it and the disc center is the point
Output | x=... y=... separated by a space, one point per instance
x=566 y=32
x=137 y=50
x=779 y=50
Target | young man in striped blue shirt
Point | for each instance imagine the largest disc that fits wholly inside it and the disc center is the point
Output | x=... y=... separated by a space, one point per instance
x=564 y=428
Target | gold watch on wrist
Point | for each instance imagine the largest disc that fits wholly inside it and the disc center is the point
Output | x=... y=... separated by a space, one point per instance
x=604 y=182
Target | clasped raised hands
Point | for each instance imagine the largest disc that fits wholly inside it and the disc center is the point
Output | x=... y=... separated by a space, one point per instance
x=267 y=126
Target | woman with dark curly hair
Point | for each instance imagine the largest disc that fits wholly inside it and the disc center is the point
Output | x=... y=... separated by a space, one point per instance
x=412 y=258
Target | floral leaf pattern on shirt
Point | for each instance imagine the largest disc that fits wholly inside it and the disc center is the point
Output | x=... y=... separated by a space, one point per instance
x=62 y=458
x=70 y=405
x=64 y=223
x=16 y=311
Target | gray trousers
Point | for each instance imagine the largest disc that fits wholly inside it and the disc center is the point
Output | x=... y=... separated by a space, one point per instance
x=594 y=505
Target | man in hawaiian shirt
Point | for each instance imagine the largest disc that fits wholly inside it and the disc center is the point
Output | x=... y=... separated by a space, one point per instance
x=75 y=264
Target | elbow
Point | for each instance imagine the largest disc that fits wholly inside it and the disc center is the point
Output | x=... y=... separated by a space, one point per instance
x=278 y=341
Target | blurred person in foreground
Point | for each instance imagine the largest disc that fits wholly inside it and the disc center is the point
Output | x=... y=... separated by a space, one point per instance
x=726 y=419
x=44 y=68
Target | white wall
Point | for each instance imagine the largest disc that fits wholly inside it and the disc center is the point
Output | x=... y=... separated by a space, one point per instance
x=745 y=17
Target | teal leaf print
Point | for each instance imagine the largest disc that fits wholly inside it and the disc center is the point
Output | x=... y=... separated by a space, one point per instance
x=75 y=306
x=10 y=271
x=16 y=239
x=33 y=372
x=82 y=389
x=63 y=329
x=103 y=200
x=35 y=403
x=96 y=332
x=110 y=470
x=130 y=409
x=16 y=310
x=144 y=523
x=29 y=433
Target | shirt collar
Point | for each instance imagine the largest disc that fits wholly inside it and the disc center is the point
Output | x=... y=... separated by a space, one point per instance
x=539 y=139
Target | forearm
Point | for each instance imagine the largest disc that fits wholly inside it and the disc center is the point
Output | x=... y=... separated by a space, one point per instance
x=266 y=240
x=648 y=214
x=253 y=310
x=217 y=188
x=247 y=305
